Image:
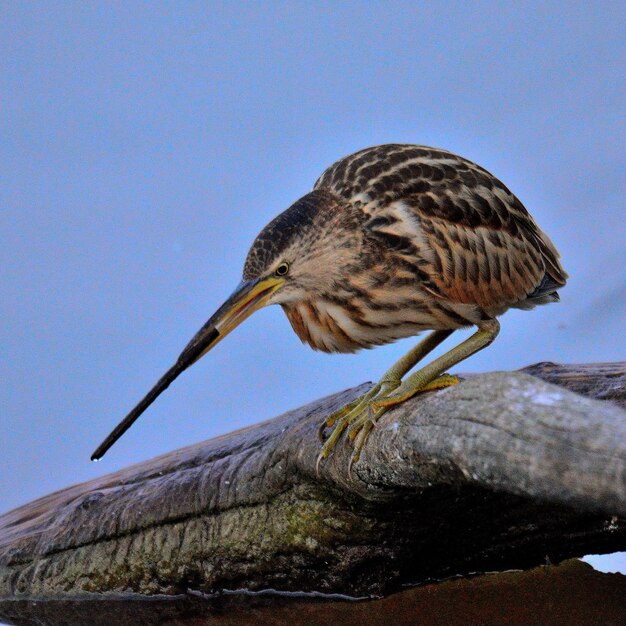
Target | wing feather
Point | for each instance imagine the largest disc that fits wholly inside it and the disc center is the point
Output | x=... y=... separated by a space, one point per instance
x=475 y=240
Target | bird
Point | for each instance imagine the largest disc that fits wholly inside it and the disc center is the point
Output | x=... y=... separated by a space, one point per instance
x=392 y=241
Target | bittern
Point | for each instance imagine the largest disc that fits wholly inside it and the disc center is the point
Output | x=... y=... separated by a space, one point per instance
x=393 y=240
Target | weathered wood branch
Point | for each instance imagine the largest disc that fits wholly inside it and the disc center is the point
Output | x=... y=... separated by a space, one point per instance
x=500 y=471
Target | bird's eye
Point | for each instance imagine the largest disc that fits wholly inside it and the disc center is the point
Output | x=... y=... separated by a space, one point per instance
x=282 y=269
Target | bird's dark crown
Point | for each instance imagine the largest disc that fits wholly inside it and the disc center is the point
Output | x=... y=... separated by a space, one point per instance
x=292 y=224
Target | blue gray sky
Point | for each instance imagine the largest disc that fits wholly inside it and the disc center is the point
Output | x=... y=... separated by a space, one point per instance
x=144 y=145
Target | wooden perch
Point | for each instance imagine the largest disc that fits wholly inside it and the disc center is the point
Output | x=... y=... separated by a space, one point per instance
x=501 y=471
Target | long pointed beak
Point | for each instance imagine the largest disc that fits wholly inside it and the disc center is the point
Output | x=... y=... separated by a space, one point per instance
x=249 y=296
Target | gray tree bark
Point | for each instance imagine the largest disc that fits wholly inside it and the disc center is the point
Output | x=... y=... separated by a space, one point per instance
x=504 y=470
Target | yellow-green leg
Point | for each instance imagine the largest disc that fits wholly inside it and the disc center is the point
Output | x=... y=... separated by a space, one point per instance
x=391 y=380
x=393 y=376
x=363 y=415
x=479 y=340
x=420 y=381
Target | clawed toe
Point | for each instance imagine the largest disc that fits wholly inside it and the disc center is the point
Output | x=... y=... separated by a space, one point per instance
x=443 y=381
x=332 y=419
x=359 y=417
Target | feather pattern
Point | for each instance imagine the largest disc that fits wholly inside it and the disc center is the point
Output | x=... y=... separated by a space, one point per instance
x=474 y=241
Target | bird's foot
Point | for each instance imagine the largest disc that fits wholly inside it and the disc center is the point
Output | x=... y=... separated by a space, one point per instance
x=360 y=416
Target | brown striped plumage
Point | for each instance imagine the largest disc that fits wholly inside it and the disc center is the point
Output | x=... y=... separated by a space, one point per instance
x=397 y=239
x=393 y=240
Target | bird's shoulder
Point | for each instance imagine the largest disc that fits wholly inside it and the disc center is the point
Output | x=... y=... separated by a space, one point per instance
x=431 y=182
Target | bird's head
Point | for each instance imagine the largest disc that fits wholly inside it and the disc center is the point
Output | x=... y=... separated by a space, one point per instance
x=304 y=252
